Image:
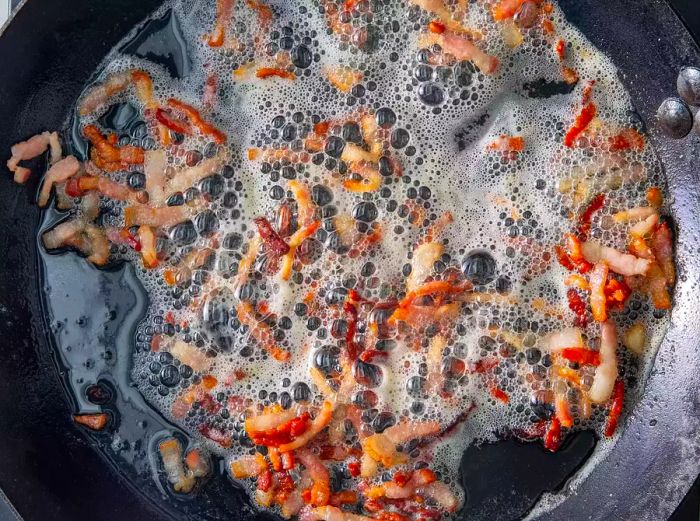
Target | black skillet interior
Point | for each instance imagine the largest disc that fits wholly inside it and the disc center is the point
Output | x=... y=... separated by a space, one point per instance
x=48 y=469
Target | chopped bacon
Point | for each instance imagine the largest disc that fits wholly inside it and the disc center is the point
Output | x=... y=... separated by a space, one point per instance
x=588 y=112
x=58 y=173
x=273 y=72
x=224 y=9
x=618 y=400
x=147 y=239
x=662 y=245
x=320 y=422
x=195 y=118
x=606 y=372
x=578 y=306
x=107 y=156
x=552 y=437
x=561 y=49
x=581 y=355
x=584 y=220
x=98 y=96
x=499 y=394
x=616 y=292
x=197 y=463
x=165 y=216
x=462 y=48
x=305 y=205
x=86 y=238
x=95 y=422
x=505 y=9
x=248 y=466
x=436 y=26
x=621 y=263
x=273 y=242
x=261 y=332
x=627 y=139
x=276 y=428
x=655 y=197
x=634 y=214
x=165 y=117
x=216 y=435
x=342 y=78
x=171 y=455
x=597 y=280
x=30 y=149
x=321 y=489
x=295 y=241
x=77 y=187
x=509 y=146
x=371 y=179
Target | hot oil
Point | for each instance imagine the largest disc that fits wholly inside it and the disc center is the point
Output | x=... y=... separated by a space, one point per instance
x=441 y=119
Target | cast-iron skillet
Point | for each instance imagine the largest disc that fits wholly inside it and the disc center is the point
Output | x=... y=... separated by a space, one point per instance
x=49 y=469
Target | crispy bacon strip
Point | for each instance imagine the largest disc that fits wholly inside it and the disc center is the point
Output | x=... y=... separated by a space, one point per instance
x=58 y=173
x=584 y=118
x=462 y=48
x=261 y=332
x=95 y=422
x=195 y=118
x=107 y=156
x=224 y=10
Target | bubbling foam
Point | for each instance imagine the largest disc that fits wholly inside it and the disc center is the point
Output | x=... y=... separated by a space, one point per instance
x=437 y=122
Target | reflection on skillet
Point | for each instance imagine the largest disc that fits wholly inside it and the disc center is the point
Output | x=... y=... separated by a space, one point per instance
x=366 y=242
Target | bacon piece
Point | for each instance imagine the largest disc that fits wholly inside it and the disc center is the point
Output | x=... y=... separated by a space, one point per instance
x=147 y=239
x=618 y=401
x=190 y=355
x=645 y=227
x=171 y=455
x=321 y=489
x=165 y=216
x=510 y=146
x=568 y=337
x=343 y=78
x=224 y=9
x=261 y=332
x=77 y=187
x=371 y=178
x=320 y=422
x=58 y=173
x=553 y=438
x=86 y=238
x=505 y=9
x=248 y=466
x=634 y=214
x=294 y=242
x=95 y=422
x=30 y=149
x=581 y=355
x=273 y=242
x=606 y=372
x=305 y=205
x=99 y=95
x=462 y=48
x=107 y=156
x=195 y=118
x=621 y=263
x=588 y=112
x=187 y=177
x=273 y=72
x=662 y=245
x=584 y=220
x=655 y=197
x=597 y=280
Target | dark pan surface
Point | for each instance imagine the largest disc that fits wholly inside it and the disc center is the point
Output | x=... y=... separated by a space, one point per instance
x=49 y=470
